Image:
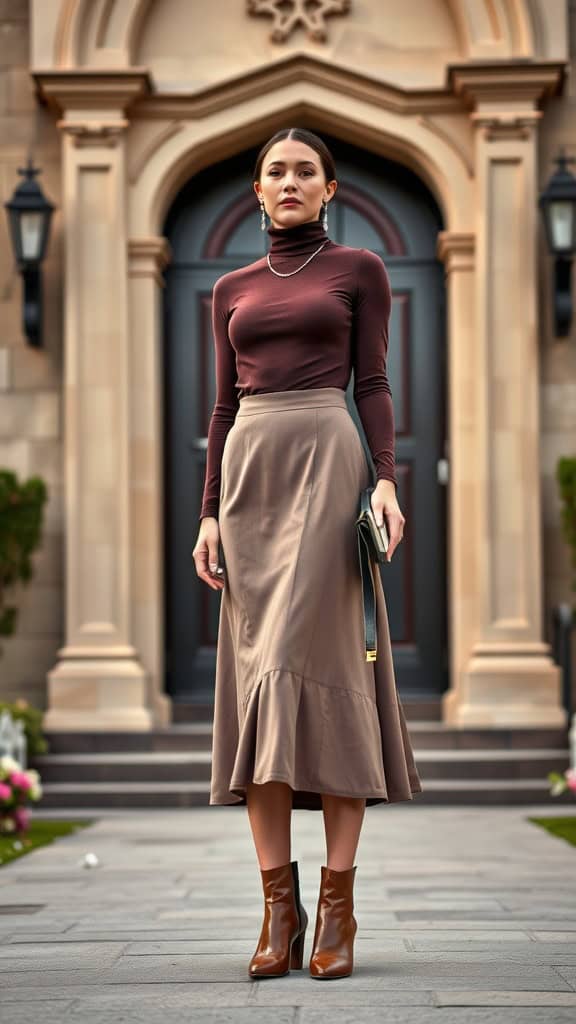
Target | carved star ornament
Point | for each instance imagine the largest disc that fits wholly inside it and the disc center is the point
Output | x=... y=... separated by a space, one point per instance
x=288 y=14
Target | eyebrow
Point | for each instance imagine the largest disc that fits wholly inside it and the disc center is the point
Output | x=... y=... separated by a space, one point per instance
x=311 y=162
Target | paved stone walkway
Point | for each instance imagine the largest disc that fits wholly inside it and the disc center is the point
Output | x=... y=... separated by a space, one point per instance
x=465 y=915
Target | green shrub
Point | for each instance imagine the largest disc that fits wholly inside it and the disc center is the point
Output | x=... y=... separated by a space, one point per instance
x=21 y=517
x=566 y=477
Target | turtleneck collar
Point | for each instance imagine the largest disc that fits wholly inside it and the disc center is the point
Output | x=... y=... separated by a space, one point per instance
x=296 y=239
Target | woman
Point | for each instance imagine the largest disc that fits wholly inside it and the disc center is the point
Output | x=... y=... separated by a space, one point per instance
x=300 y=718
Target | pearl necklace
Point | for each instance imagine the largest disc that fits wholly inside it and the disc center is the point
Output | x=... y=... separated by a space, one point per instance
x=279 y=274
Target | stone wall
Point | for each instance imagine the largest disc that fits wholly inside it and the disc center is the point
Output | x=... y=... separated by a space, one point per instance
x=30 y=379
x=558 y=357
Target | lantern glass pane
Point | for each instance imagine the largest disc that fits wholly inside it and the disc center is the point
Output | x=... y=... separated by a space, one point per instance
x=562 y=224
x=31 y=225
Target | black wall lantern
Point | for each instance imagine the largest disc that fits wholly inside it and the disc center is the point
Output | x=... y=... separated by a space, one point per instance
x=29 y=214
x=558 y=205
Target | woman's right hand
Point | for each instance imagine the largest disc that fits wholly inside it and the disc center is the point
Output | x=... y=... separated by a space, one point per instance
x=205 y=553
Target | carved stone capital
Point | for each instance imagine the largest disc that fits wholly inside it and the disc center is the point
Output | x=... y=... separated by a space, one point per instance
x=94 y=133
x=506 y=82
x=148 y=257
x=85 y=89
x=506 y=124
x=456 y=250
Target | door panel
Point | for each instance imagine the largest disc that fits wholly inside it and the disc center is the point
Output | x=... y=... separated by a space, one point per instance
x=214 y=227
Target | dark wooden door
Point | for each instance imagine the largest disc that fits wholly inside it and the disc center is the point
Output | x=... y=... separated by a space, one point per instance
x=213 y=227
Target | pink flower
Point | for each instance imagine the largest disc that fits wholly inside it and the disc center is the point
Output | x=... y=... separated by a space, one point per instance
x=20 y=779
x=21 y=817
x=570 y=776
x=5 y=791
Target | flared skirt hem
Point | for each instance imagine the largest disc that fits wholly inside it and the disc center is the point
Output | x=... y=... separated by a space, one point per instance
x=317 y=739
x=308 y=800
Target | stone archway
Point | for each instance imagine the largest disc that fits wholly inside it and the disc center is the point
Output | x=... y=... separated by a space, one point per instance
x=475 y=149
x=106 y=34
x=184 y=153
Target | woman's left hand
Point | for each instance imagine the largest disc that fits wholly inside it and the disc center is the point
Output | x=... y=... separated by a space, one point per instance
x=385 y=503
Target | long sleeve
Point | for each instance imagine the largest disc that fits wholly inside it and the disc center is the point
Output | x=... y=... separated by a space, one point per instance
x=226 y=403
x=372 y=393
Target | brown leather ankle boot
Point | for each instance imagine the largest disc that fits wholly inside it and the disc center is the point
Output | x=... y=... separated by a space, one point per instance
x=332 y=949
x=281 y=943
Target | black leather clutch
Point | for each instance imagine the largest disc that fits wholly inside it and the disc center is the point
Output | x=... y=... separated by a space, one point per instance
x=373 y=543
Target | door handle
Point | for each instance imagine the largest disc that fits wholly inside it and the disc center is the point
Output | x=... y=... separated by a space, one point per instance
x=443 y=471
x=199 y=444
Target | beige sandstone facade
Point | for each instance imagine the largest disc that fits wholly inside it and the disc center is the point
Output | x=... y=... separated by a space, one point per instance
x=133 y=98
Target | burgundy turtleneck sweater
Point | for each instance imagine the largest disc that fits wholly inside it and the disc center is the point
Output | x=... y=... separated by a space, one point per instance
x=306 y=331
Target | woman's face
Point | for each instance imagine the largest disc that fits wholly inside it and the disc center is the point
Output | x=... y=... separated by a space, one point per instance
x=291 y=169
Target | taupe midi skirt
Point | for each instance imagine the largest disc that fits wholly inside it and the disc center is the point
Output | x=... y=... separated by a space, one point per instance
x=295 y=700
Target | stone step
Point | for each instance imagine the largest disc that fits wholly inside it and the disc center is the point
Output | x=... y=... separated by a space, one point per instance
x=101 y=796
x=91 y=795
x=131 y=767
x=438 y=735
x=198 y=736
x=195 y=766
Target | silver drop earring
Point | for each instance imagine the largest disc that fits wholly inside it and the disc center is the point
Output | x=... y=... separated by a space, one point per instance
x=325 y=215
x=263 y=216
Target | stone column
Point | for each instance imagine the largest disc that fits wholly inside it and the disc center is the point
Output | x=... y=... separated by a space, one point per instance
x=147 y=259
x=457 y=252
x=99 y=681
x=507 y=676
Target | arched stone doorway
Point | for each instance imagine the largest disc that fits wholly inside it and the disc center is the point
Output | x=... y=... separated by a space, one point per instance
x=469 y=132
x=213 y=227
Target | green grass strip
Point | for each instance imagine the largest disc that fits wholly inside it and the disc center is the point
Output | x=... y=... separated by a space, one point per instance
x=564 y=828
x=39 y=833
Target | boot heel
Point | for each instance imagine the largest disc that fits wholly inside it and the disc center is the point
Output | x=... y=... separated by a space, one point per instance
x=297 y=952
x=297 y=947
